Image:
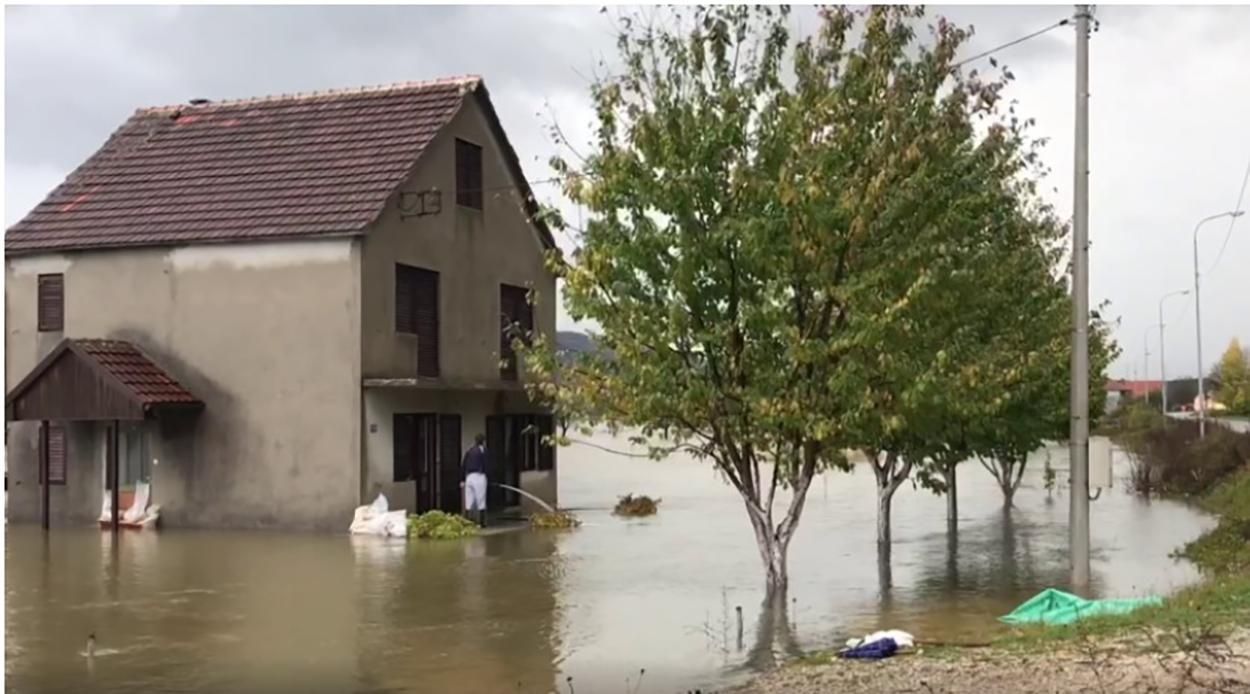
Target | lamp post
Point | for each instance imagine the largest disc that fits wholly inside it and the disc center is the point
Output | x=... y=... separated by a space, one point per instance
x=1163 y=369
x=1202 y=395
x=1145 y=365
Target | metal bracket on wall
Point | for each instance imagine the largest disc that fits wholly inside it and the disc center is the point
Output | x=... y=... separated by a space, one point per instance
x=420 y=203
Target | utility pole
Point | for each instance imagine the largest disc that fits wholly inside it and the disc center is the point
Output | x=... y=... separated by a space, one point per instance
x=1078 y=516
x=1163 y=369
x=1202 y=395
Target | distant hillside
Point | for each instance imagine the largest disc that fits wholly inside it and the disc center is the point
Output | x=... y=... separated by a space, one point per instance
x=573 y=342
x=570 y=344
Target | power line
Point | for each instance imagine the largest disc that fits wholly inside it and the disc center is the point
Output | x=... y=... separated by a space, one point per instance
x=1009 y=44
x=1233 y=222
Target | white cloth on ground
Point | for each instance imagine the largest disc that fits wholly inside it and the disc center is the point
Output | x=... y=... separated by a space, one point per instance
x=902 y=638
x=475 y=492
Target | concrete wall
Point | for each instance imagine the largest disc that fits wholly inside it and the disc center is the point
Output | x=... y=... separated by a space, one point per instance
x=473 y=250
x=268 y=335
x=381 y=404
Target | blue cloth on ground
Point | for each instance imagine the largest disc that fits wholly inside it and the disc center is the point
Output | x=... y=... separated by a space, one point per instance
x=881 y=648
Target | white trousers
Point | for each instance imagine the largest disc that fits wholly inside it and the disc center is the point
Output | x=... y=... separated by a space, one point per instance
x=475 y=492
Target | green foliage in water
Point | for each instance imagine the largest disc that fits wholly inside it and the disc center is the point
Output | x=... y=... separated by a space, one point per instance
x=437 y=525
x=636 y=506
x=554 y=520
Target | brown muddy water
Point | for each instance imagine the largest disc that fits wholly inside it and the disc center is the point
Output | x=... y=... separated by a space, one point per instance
x=184 y=611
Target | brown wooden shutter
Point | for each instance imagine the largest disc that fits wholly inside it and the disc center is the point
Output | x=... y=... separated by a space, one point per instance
x=425 y=320
x=468 y=175
x=404 y=290
x=416 y=313
x=51 y=308
x=57 y=454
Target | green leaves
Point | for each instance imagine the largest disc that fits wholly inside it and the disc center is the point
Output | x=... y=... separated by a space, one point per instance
x=801 y=247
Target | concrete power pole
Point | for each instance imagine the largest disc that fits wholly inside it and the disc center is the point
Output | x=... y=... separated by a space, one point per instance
x=1078 y=517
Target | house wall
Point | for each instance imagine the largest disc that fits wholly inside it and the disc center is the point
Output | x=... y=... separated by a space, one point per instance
x=380 y=406
x=474 y=251
x=266 y=334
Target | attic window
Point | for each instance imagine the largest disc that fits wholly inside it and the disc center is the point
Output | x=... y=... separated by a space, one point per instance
x=51 y=303
x=468 y=175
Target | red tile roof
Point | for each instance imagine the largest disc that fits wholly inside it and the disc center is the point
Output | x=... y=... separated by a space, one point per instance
x=275 y=167
x=148 y=383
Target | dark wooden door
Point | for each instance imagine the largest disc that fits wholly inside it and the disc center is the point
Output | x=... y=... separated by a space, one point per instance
x=495 y=460
x=426 y=469
x=450 y=497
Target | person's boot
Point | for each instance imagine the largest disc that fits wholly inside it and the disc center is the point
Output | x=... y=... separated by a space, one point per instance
x=481 y=515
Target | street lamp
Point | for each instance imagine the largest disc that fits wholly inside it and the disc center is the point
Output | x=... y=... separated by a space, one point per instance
x=1163 y=372
x=1145 y=373
x=1202 y=395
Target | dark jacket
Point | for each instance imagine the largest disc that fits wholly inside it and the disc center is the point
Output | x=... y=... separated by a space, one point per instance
x=475 y=460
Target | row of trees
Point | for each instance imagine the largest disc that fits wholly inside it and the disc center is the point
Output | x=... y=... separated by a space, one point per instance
x=800 y=248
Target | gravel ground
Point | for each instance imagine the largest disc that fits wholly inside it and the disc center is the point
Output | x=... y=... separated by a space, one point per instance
x=1222 y=666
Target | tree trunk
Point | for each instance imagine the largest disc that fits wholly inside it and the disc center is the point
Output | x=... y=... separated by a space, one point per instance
x=952 y=496
x=772 y=549
x=884 y=495
x=1009 y=493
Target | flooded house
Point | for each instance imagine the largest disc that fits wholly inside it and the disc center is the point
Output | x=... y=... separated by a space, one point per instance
x=265 y=312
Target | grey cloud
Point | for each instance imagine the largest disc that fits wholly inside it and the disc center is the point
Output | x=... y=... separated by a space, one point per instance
x=1169 y=138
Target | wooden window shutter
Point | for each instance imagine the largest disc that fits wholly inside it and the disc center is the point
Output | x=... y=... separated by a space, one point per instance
x=57 y=454
x=51 y=303
x=425 y=319
x=468 y=175
x=404 y=291
x=416 y=313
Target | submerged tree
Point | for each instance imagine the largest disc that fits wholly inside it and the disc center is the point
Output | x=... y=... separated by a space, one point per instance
x=779 y=233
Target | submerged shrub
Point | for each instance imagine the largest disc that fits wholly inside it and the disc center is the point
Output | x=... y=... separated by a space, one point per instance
x=558 y=520
x=1171 y=459
x=640 y=505
x=437 y=525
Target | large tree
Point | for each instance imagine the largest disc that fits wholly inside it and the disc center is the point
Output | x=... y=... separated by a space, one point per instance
x=773 y=224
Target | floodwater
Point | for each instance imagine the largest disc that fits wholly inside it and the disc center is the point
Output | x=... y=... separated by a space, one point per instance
x=183 y=611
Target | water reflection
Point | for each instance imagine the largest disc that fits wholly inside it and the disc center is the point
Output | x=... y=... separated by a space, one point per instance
x=253 y=612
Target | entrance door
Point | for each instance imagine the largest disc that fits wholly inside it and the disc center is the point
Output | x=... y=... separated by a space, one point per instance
x=416 y=450
x=450 y=497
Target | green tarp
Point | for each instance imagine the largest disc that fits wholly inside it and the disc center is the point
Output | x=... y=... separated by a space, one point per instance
x=1057 y=607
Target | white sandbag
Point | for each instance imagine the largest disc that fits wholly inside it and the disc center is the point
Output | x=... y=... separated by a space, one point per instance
x=377 y=519
x=139 y=508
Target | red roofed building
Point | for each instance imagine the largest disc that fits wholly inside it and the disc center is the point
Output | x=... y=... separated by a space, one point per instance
x=1134 y=389
x=270 y=310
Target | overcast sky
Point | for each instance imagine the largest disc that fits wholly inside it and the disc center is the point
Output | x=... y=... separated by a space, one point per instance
x=1170 y=112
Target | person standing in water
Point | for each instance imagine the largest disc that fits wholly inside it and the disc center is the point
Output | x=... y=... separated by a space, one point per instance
x=475 y=481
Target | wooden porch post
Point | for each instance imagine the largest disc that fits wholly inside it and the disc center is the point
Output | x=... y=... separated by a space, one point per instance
x=114 y=466
x=44 y=497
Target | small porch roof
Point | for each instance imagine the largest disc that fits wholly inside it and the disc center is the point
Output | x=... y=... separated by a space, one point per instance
x=96 y=380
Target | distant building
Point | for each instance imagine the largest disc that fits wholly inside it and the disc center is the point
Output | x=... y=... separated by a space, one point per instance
x=273 y=309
